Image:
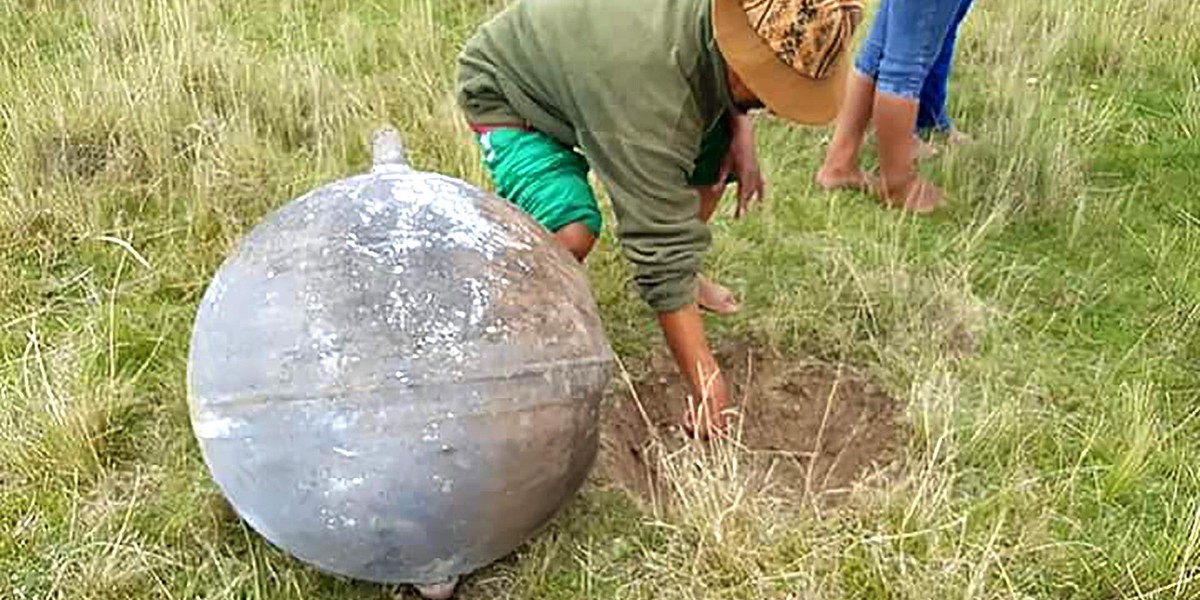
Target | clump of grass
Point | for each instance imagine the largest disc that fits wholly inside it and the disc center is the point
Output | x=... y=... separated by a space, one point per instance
x=65 y=425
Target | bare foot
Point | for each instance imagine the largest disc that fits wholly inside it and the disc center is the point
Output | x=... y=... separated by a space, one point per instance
x=714 y=297
x=918 y=197
x=926 y=150
x=855 y=180
x=958 y=138
x=438 y=591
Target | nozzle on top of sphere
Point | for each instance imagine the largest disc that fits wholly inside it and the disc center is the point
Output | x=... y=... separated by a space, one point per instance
x=388 y=152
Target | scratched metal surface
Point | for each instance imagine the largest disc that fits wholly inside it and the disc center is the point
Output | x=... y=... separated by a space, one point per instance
x=397 y=377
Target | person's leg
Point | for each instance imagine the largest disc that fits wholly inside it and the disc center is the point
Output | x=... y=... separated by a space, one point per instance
x=933 y=114
x=931 y=106
x=577 y=238
x=841 y=167
x=715 y=158
x=548 y=181
x=710 y=199
x=917 y=32
x=900 y=185
x=710 y=295
x=946 y=124
x=706 y=171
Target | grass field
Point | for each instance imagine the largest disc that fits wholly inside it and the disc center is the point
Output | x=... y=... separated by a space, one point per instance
x=1055 y=459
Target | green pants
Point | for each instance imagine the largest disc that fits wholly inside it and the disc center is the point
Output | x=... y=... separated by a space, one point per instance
x=549 y=181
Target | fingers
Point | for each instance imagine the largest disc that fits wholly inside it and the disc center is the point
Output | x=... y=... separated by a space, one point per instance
x=716 y=190
x=726 y=169
x=751 y=187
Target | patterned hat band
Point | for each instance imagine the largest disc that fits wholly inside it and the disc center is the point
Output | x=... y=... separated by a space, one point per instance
x=810 y=36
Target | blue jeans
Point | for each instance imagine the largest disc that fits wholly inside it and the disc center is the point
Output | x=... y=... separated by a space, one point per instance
x=904 y=43
x=932 y=114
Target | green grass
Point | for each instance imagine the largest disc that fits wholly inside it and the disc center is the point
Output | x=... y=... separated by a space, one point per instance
x=1056 y=460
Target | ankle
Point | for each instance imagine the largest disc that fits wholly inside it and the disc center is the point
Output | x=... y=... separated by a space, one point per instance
x=840 y=160
x=838 y=170
x=897 y=186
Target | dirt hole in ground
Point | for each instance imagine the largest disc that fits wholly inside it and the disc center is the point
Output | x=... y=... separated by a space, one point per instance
x=806 y=426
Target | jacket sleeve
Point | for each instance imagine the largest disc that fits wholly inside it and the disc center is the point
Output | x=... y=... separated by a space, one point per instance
x=658 y=222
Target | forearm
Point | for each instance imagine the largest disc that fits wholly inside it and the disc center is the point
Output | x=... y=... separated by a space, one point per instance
x=740 y=123
x=684 y=330
x=741 y=130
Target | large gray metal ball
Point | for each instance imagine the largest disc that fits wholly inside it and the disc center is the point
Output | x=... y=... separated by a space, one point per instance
x=397 y=377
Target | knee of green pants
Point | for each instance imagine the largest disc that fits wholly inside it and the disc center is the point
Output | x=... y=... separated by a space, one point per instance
x=558 y=199
x=543 y=177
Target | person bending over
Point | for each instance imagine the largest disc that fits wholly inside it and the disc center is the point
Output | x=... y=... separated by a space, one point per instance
x=652 y=97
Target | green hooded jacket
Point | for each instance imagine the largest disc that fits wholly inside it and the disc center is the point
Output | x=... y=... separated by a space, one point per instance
x=634 y=84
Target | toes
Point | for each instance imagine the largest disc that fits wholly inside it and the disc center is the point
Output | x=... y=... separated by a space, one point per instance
x=924 y=198
x=438 y=591
x=855 y=182
x=715 y=298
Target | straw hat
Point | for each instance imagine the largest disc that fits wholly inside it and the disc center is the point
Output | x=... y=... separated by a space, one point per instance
x=793 y=54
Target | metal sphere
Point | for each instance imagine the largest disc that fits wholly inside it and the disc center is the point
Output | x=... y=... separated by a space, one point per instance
x=397 y=377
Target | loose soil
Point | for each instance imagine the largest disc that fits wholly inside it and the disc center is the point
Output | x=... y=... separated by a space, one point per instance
x=805 y=426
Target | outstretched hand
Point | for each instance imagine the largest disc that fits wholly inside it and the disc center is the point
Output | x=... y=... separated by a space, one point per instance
x=742 y=161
